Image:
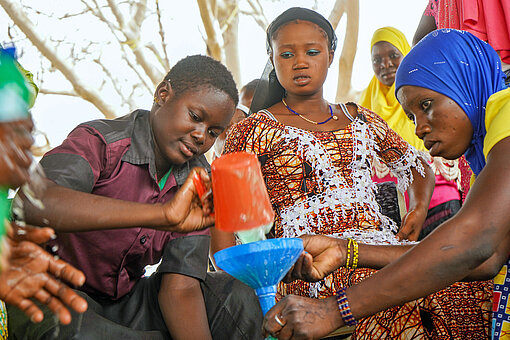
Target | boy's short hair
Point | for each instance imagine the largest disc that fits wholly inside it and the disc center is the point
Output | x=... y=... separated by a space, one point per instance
x=200 y=70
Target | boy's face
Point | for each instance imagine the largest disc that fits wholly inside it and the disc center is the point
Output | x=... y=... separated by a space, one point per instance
x=187 y=126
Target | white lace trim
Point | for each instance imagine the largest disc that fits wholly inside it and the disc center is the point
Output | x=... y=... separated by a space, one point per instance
x=336 y=194
x=401 y=168
x=448 y=169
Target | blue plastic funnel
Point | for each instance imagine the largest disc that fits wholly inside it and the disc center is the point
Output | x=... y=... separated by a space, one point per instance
x=261 y=265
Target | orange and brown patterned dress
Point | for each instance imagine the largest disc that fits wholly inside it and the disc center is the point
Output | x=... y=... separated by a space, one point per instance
x=320 y=183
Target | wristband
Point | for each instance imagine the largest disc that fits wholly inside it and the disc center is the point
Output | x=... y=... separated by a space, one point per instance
x=348 y=253
x=344 y=308
x=355 y=256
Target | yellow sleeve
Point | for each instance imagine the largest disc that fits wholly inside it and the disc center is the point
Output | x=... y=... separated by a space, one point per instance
x=497 y=119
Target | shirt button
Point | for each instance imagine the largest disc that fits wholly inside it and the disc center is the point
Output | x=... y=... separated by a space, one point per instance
x=143 y=239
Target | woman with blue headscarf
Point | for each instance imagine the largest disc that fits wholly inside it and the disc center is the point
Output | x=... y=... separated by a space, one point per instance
x=452 y=86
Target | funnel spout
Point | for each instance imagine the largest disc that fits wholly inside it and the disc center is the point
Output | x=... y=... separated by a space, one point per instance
x=267 y=297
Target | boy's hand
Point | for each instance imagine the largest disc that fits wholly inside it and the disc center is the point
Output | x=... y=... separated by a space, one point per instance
x=322 y=255
x=186 y=212
x=34 y=273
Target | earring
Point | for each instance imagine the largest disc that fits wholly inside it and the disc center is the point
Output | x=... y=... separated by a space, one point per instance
x=156 y=100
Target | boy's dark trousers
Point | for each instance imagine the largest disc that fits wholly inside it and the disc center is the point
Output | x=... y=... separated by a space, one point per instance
x=232 y=307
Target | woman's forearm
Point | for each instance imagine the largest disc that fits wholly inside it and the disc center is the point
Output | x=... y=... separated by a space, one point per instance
x=421 y=189
x=428 y=267
x=453 y=251
x=377 y=257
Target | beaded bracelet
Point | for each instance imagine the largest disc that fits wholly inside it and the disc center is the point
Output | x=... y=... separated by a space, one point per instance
x=355 y=256
x=344 y=308
x=348 y=254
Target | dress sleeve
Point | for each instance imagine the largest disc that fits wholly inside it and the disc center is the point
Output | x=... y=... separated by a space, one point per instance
x=395 y=152
x=77 y=163
x=497 y=120
x=252 y=134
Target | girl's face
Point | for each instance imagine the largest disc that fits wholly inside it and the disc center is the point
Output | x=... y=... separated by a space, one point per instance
x=385 y=61
x=301 y=57
x=440 y=122
x=187 y=126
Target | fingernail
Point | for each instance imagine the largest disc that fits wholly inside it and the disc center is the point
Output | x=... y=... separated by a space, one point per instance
x=53 y=236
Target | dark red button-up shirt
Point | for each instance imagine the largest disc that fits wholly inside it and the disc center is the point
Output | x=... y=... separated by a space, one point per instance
x=115 y=158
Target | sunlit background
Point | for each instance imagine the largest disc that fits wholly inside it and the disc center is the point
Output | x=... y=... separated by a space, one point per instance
x=56 y=115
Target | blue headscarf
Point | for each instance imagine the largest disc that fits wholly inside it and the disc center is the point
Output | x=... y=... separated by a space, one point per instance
x=462 y=67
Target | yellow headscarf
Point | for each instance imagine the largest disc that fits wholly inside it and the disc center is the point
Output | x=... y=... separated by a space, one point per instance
x=381 y=99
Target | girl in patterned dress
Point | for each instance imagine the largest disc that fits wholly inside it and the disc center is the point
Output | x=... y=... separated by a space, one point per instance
x=317 y=157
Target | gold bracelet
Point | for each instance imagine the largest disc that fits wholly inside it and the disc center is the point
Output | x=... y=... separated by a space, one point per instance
x=348 y=254
x=355 y=257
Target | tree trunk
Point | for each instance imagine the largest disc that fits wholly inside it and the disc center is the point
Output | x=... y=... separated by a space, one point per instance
x=344 y=90
x=213 y=47
x=228 y=16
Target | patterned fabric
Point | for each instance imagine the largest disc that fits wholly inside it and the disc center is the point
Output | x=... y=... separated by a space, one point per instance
x=465 y=175
x=497 y=120
x=500 y=306
x=489 y=20
x=445 y=13
x=3 y=322
x=319 y=182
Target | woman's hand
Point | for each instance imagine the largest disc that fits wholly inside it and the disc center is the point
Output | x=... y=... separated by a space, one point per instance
x=322 y=255
x=15 y=156
x=412 y=224
x=186 y=211
x=34 y=273
x=302 y=318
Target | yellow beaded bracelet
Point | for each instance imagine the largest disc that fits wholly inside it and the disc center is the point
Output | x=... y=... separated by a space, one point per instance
x=348 y=253
x=355 y=257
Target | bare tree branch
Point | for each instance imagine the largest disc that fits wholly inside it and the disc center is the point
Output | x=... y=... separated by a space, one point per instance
x=123 y=43
x=344 y=90
x=140 y=76
x=25 y=25
x=257 y=14
x=213 y=47
x=72 y=15
x=337 y=12
x=114 y=82
x=132 y=34
x=59 y=92
x=166 y=60
x=228 y=16
x=117 y=14
x=154 y=50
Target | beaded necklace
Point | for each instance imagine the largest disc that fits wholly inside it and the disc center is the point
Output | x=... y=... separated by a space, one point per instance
x=309 y=120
